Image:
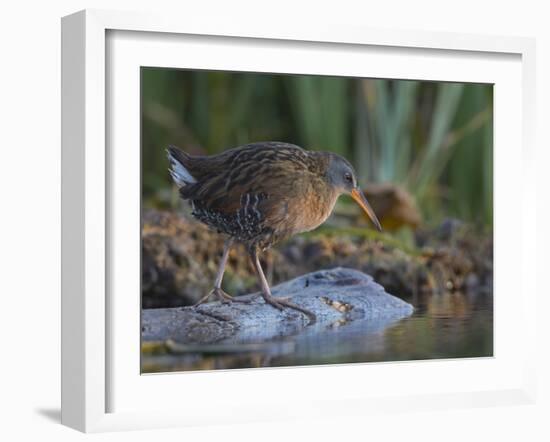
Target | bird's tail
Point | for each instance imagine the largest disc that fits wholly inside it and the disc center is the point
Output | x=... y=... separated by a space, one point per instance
x=178 y=171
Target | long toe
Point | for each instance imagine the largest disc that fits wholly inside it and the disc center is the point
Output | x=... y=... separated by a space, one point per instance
x=203 y=299
x=225 y=298
x=274 y=303
x=237 y=299
x=312 y=317
x=243 y=301
x=281 y=303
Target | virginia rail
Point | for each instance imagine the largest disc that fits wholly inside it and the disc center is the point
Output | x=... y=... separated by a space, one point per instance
x=261 y=193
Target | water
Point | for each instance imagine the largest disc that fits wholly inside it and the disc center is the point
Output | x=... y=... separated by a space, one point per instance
x=450 y=325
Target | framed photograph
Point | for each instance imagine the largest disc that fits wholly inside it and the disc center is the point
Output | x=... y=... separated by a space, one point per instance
x=263 y=222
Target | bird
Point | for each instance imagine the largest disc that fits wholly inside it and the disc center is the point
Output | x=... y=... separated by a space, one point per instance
x=262 y=193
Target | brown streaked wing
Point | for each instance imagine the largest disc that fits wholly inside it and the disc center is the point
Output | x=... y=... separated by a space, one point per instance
x=255 y=169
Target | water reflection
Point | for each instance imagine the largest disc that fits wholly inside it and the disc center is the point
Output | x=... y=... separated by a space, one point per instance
x=448 y=325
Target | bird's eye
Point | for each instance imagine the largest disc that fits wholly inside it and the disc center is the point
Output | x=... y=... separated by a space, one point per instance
x=348 y=177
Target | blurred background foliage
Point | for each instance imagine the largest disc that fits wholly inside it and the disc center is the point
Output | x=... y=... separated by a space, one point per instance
x=423 y=151
x=433 y=139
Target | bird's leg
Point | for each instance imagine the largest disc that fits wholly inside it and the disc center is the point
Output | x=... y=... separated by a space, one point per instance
x=217 y=290
x=278 y=303
x=269 y=267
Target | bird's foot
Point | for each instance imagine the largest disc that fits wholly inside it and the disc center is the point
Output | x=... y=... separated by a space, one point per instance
x=223 y=297
x=281 y=303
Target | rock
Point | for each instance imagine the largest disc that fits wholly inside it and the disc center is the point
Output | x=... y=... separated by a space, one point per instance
x=394 y=206
x=337 y=296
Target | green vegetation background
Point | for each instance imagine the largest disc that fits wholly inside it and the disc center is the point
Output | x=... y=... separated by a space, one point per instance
x=433 y=138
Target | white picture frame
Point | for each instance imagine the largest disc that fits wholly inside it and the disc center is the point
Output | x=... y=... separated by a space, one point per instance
x=90 y=329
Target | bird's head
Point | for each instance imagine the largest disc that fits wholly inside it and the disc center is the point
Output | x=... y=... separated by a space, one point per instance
x=342 y=177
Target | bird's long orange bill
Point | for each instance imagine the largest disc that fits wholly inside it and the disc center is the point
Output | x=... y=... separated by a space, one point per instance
x=360 y=199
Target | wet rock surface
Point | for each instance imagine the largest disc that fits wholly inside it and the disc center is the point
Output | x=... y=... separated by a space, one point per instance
x=337 y=296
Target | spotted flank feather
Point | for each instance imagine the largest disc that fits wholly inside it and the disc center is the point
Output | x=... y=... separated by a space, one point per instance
x=244 y=224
